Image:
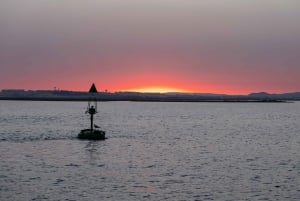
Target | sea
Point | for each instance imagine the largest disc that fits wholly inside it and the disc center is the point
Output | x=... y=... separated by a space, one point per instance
x=153 y=151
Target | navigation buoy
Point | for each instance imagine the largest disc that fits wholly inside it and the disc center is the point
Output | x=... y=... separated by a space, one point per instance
x=92 y=133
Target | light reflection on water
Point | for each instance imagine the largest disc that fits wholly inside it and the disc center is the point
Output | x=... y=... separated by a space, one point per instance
x=154 y=151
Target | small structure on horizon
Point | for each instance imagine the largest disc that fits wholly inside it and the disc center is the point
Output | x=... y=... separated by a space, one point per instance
x=91 y=133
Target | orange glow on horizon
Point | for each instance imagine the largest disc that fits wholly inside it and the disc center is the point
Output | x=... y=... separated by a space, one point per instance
x=209 y=89
x=148 y=88
x=169 y=88
x=153 y=84
x=157 y=89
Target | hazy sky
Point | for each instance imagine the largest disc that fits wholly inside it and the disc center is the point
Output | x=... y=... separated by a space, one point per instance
x=220 y=46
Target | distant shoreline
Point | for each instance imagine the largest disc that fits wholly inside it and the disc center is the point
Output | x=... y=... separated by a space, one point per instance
x=146 y=100
x=50 y=95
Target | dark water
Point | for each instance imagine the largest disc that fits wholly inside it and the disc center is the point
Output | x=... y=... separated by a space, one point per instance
x=154 y=151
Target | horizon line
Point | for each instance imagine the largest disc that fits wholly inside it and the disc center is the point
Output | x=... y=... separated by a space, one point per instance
x=152 y=92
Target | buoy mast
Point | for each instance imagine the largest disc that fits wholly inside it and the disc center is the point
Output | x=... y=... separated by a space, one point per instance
x=92 y=105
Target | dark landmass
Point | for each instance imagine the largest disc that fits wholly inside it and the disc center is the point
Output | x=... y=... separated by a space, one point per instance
x=55 y=95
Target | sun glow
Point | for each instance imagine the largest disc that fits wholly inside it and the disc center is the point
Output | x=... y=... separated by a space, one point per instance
x=158 y=90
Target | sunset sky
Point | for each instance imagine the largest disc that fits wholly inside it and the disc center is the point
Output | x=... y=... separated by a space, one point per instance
x=216 y=46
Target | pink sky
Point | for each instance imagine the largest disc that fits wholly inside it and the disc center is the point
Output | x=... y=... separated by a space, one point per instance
x=217 y=46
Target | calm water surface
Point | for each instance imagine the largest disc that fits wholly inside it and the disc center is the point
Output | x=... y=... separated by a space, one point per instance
x=154 y=151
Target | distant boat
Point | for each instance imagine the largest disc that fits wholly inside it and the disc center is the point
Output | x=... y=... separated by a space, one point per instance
x=91 y=133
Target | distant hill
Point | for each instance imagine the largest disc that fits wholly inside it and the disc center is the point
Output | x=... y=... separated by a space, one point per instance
x=284 y=96
x=261 y=94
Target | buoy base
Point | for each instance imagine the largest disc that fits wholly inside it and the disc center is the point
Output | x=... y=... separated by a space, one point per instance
x=88 y=134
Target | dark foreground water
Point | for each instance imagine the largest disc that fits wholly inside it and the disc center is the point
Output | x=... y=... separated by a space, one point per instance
x=154 y=151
